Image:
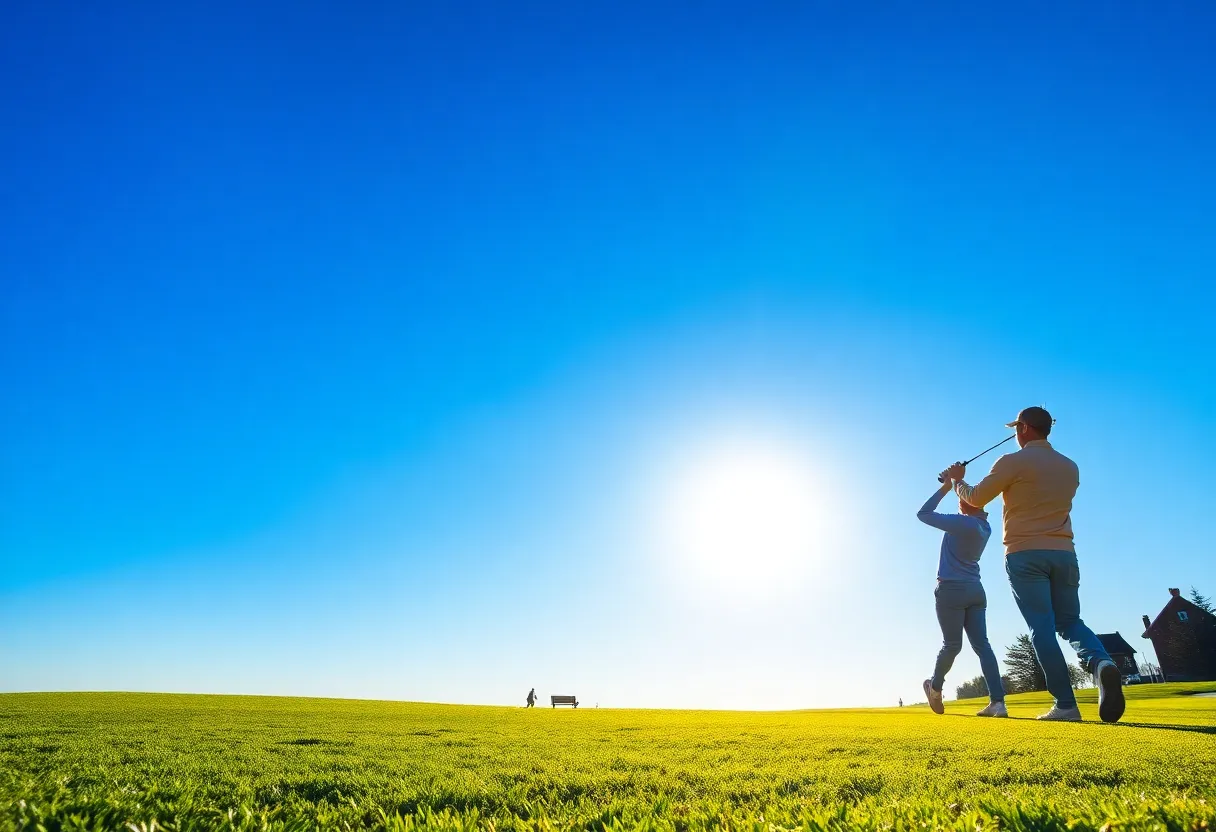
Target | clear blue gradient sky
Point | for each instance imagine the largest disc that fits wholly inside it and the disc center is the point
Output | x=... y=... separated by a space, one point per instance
x=349 y=349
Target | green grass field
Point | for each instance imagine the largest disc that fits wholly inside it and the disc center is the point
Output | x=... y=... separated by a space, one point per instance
x=151 y=761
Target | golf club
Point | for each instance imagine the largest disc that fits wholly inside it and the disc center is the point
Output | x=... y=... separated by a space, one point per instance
x=981 y=453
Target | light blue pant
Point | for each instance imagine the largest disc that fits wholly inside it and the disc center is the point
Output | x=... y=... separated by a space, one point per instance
x=961 y=605
x=1045 y=584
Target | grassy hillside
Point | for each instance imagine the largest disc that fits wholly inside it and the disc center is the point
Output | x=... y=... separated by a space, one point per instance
x=144 y=761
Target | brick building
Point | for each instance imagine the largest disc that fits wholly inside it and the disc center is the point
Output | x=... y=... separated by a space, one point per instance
x=1184 y=638
x=1122 y=654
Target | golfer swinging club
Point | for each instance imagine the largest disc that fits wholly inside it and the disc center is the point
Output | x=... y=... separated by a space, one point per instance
x=1039 y=483
x=961 y=603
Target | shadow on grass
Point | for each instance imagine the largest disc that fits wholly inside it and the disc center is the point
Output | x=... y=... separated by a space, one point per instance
x=1196 y=729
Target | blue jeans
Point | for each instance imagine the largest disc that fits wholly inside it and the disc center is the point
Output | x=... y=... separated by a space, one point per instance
x=1045 y=583
x=961 y=605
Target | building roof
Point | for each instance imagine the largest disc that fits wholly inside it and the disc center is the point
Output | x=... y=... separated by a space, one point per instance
x=1175 y=603
x=1114 y=643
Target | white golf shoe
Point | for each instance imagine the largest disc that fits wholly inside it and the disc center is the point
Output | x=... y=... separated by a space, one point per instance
x=1109 y=682
x=934 y=697
x=1057 y=714
x=996 y=709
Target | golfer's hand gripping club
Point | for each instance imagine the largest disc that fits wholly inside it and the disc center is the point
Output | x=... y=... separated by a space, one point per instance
x=980 y=454
x=941 y=478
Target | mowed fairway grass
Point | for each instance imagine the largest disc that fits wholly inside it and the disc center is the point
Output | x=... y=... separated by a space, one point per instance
x=157 y=761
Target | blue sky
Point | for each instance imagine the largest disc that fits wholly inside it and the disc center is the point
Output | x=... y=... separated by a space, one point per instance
x=357 y=351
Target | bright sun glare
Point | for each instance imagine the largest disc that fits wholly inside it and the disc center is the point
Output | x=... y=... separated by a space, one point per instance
x=745 y=517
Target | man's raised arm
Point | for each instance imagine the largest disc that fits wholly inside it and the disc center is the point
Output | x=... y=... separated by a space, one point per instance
x=986 y=490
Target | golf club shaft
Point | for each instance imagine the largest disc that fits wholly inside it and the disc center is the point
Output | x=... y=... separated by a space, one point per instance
x=981 y=453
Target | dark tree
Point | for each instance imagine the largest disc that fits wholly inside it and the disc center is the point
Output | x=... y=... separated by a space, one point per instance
x=1202 y=601
x=979 y=687
x=970 y=690
x=1024 y=672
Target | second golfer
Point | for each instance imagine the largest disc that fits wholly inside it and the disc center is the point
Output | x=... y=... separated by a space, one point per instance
x=961 y=603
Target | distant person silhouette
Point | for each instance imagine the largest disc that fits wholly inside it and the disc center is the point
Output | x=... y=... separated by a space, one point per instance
x=901 y=703
x=532 y=698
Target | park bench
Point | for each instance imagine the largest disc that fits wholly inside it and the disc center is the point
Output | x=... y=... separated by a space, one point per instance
x=556 y=700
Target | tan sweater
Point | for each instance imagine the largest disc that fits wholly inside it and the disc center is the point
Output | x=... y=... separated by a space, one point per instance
x=1039 y=483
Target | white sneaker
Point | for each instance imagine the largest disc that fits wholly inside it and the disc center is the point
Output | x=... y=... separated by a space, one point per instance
x=1057 y=714
x=1109 y=682
x=994 y=709
x=934 y=697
